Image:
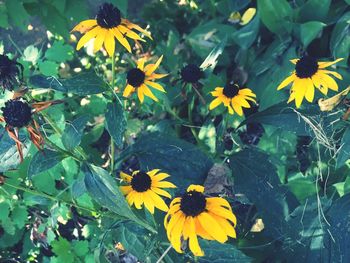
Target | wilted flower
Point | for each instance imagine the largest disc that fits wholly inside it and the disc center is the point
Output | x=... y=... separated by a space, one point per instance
x=10 y=73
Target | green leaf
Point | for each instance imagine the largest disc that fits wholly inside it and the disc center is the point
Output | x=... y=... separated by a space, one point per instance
x=246 y=36
x=80 y=248
x=48 y=68
x=17 y=14
x=116 y=122
x=59 y=52
x=19 y=216
x=43 y=161
x=105 y=191
x=215 y=252
x=344 y=152
x=9 y=157
x=73 y=133
x=86 y=83
x=183 y=161
x=314 y=10
x=340 y=40
x=256 y=177
x=3 y=16
x=62 y=248
x=309 y=31
x=212 y=59
x=276 y=15
x=287 y=118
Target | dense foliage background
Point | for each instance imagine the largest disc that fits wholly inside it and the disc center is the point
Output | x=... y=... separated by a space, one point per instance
x=284 y=171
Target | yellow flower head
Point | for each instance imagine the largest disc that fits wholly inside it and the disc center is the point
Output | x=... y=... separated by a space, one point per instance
x=307 y=75
x=146 y=188
x=195 y=214
x=141 y=78
x=233 y=98
x=108 y=25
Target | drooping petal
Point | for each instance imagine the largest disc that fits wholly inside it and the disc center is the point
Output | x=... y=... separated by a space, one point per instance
x=161 y=192
x=193 y=241
x=149 y=93
x=223 y=212
x=286 y=82
x=335 y=74
x=122 y=40
x=212 y=227
x=155 y=85
x=237 y=108
x=147 y=200
x=175 y=234
x=330 y=82
x=110 y=43
x=138 y=201
x=128 y=90
x=151 y=69
x=328 y=63
x=100 y=39
x=158 y=201
x=299 y=88
x=247 y=92
x=218 y=201
x=225 y=225
x=201 y=231
x=140 y=94
x=126 y=189
x=129 y=33
x=310 y=92
x=89 y=35
x=137 y=27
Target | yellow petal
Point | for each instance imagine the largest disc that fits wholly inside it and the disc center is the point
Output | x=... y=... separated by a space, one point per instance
x=247 y=16
x=286 y=82
x=299 y=88
x=225 y=225
x=310 y=92
x=240 y=100
x=130 y=198
x=237 y=108
x=85 y=25
x=328 y=63
x=158 y=201
x=126 y=189
x=174 y=209
x=138 y=200
x=151 y=69
x=195 y=187
x=89 y=35
x=125 y=177
x=128 y=90
x=141 y=63
x=140 y=94
x=172 y=222
x=212 y=227
x=147 y=200
x=160 y=192
x=193 y=241
x=160 y=176
x=99 y=39
x=246 y=92
x=219 y=202
x=110 y=43
x=129 y=33
x=137 y=27
x=223 y=212
x=330 y=82
x=335 y=74
x=201 y=231
x=216 y=102
x=122 y=40
x=149 y=93
x=156 y=76
x=155 y=85
x=153 y=172
x=294 y=61
x=175 y=234
x=164 y=184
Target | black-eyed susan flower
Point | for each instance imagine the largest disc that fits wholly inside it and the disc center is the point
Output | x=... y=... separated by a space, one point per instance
x=195 y=214
x=141 y=79
x=107 y=26
x=10 y=73
x=146 y=188
x=191 y=73
x=18 y=114
x=307 y=75
x=233 y=98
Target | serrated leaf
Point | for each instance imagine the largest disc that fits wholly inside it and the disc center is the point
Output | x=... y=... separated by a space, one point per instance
x=73 y=133
x=43 y=161
x=116 y=122
x=86 y=83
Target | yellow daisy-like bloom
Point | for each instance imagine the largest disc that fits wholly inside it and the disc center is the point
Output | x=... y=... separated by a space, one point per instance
x=141 y=78
x=307 y=75
x=107 y=26
x=195 y=214
x=146 y=188
x=233 y=98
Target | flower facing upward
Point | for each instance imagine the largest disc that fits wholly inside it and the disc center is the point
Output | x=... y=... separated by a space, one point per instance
x=10 y=71
x=108 y=25
x=195 y=214
x=191 y=73
x=141 y=78
x=307 y=75
x=18 y=114
x=146 y=188
x=233 y=98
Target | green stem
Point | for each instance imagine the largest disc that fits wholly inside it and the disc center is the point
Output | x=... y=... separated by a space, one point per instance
x=112 y=142
x=189 y=110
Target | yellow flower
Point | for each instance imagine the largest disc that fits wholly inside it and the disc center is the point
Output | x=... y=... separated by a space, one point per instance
x=233 y=98
x=307 y=75
x=141 y=78
x=108 y=25
x=146 y=188
x=195 y=214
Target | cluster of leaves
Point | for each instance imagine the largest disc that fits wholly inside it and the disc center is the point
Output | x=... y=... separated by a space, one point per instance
x=64 y=205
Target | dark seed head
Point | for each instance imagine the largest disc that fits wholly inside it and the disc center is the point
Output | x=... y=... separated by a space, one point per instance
x=108 y=16
x=135 y=77
x=231 y=90
x=9 y=72
x=306 y=67
x=141 y=182
x=193 y=203
x=17 y=113
x=191 y=73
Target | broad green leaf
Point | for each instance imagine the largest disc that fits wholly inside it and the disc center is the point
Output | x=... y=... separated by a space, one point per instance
x=17 y=13
x=62 y=249
x=183 y=161
x=105 y=191
x=340 y=39
x=80 y=248
x=59 y=52
x=246 y=36
x=344 y=152
x=287 y=118
x=256 y=178
x=3 y=16
x=314 y=10
x=19 y=216
x=71 y=136
x=116 y=122
x=309 y=31
x=276 y=15
x=48 y=68
x=212 y=59
x=43 y=161
x=86 y=83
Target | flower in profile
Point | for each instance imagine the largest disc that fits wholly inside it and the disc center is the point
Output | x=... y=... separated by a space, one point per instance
x=10 y=73
x=107 y=26
x=146 y=188
x=233 y=98
x=191 y=73
x=18 y=114
x=307 y=75
x=142 y=77
x=195 y=214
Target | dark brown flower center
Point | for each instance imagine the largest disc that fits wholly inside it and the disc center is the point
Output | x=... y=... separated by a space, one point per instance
x=135 y=77
x=193 y=203
x=108 y=16
x=306 y=67
x=231 y=90
x=141 y=182
x=17 y=113
x=191 y=73
x=9 y=72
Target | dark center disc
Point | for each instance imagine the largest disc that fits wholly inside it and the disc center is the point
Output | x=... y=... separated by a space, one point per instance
x=135 y=77
x=231 y=90
x=141 y=182
x=306 y=67
x=191 y=73
x=17 y=113
x=193 y=203
x=108 y=16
